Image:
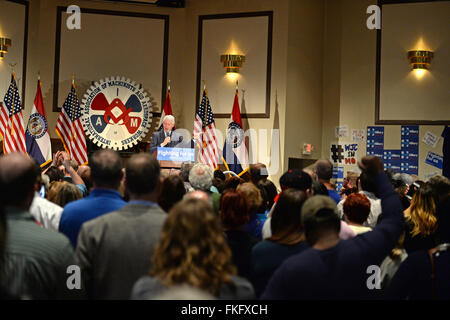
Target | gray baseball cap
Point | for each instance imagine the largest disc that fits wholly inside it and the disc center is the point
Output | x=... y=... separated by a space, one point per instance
x=314 y=204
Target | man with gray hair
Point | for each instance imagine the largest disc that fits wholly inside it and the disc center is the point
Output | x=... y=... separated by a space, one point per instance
x=165 y=137
x=200 y=177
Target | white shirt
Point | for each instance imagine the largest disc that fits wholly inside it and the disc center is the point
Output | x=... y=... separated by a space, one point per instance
x=375 y=209
x=46 y=212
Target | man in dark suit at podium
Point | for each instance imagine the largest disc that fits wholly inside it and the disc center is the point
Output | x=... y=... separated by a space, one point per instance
x=165 y=137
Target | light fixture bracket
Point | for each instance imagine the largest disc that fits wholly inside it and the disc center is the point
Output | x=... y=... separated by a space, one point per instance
x=232 y=62
x=4 y=44
x=420 y=59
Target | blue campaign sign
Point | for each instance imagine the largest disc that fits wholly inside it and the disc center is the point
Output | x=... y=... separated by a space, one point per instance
x=411 y=131
x=409 y=155
x=375 y=140
x=434 y=160
x=175 y=154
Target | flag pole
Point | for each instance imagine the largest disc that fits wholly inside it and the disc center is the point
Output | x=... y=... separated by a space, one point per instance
x=71 y=118
x=206 y=105
x=13 y=98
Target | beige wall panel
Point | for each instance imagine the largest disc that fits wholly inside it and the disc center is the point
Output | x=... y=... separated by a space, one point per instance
x=12 y=26
x=109 y=45
x=247 y=36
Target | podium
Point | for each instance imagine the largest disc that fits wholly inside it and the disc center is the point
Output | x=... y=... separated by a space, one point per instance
x=172 y=158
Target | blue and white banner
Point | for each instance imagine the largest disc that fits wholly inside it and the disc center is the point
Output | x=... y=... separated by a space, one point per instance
x=434 y=160
x=175 y=154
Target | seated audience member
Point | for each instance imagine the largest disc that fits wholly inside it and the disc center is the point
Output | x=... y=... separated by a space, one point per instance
x=334 y=269
x=172 y=191
x=114 y=249
x=421 y=221
x=258 y=172
x=392 y=262
x=106 y=173
x=257 y=219
x=45 y=212
x=356 y=211
x=367 y=188
x=192 y=251
x=424 y=274
x=185 y=170
x=234 y=214
x=36 y=260
x=324 y=172
x=286 y=240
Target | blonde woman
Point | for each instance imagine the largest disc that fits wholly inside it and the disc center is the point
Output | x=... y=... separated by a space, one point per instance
x=421 y=221
x=193 y=252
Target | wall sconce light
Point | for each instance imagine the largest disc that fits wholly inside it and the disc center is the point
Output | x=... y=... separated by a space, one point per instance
x=420 y=59
x=232 y=62
x=4 y=44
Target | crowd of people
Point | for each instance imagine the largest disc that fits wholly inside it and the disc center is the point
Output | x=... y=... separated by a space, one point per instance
x=139 y=232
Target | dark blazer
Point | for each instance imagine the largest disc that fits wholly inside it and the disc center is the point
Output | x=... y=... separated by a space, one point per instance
x=158 y=138
x=115 y=250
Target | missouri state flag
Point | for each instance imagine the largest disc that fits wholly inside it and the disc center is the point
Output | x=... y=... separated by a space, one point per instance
x=37 y=137
x=235 y=155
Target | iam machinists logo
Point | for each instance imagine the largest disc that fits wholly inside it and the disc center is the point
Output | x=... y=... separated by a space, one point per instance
x=116 y=113
x=37 y=125
x=235 y=134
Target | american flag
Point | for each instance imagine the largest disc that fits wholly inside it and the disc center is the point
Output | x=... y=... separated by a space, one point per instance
x=205 y=133
x=70 y=129
x=11 y=120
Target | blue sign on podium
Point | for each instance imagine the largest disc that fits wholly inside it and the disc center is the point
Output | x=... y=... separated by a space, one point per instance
x=175 y=154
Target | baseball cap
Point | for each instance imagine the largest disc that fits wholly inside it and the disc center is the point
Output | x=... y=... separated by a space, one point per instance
x=314 y=204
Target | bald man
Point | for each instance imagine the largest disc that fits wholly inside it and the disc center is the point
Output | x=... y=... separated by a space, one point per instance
x=324 y=170
x=37 y=259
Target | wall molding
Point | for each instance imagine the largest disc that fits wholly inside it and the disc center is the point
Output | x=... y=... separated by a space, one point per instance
x=61 y=9
x=201 y=18
x=379 y=121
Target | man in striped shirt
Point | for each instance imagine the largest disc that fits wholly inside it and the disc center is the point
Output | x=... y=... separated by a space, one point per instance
x=36 y=259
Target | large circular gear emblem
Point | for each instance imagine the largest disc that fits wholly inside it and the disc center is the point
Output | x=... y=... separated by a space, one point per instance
x=116 y=113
